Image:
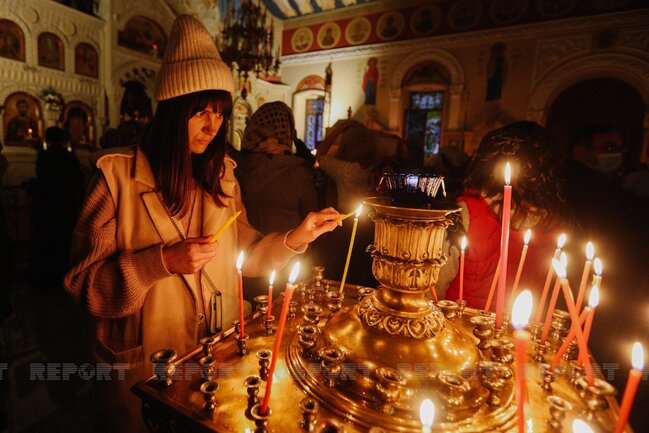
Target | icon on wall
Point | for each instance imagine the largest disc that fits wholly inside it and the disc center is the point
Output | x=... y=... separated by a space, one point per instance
x=144 y=35
x=371 y=81
x=22 y=120
x=358 y=30
x=464 y=14
x=496 y=71
x=390 y=25
x=302 y=39
x=50 y=51
x=328 y=35
x=425 y=20
x=12 y=41
x=507 y=11
x=86 y=60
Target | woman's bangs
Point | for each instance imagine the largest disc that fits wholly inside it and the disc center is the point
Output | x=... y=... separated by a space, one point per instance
x=219 y=99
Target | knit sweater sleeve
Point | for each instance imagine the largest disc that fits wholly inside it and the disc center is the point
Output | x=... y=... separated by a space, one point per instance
x=263 y=252
x=105 y=281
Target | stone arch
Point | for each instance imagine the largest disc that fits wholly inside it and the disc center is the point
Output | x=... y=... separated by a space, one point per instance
x=147 y=71
x=456 y=87
x=632 y=69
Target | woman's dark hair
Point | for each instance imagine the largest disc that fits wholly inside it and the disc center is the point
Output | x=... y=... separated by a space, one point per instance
x=167 y=148
x=536 y=188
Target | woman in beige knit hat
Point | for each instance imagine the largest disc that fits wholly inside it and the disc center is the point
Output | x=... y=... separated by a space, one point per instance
x=143 y=265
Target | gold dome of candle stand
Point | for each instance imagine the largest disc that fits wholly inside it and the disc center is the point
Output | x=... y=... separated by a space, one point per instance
x=377 y=354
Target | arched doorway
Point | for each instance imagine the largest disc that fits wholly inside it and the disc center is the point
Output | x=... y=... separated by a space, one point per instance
x=607 y=101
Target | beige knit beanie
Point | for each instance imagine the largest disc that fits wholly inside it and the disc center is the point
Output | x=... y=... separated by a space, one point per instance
x=191 y=62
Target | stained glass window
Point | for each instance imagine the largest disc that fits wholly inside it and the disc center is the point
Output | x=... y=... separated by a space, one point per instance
x=424 y=121
x=313 y=127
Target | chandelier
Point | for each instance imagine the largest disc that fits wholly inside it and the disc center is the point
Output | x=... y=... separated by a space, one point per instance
x=246 y=42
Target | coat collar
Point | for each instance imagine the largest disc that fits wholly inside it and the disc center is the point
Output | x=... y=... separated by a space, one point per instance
x=142 y=169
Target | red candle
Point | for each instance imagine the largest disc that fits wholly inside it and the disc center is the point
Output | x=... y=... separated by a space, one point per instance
x=567 y=294
x=590 y=253
x=520 y=316
x=521 y=262
x=593 y=301
x=271 y=280
x=539 y=311
x=637 y=359
x=492 y=289
x=462 y=248
x=568 y=340
x=504 y=246
x=290 y=287
x=553 y=302
x=240 y=281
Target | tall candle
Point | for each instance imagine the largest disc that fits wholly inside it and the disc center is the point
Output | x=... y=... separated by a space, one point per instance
x=553 y=302
x=427 y=415
x=227 y=224
x=240 y=281
x=271 y=280
x=598 y=268
x=637 y=360
x=574 y=317
x=568 y=340
x=593 y=301
x=521 y=262
x=351 y=247
x=504 y=246
x=520 y=316
x=578 y=426
x=290 y=287
x=590 y=253
x=492 y=289
x=462 y=248
x=548 y=279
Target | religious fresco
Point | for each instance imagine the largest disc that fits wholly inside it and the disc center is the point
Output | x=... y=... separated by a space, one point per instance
x=425 y=20
x=50 y=51
x=310 y=82
x=86 y=60
x=390 y=25
x=328 y=35
x=144 y=35
x=371 y=81
x=22 y=120
x=464 y=14
x=302 y=40
x=12 y=41
x=358 y=30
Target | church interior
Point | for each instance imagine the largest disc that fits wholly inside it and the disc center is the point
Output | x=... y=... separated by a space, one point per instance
x=417 y=87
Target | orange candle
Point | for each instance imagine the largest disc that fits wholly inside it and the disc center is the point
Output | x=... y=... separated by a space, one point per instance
x=568 y=340
x=492 y=289
x=553 y=302
x=504 y=246
x=462 y=248
x=520 y=316
x=567 y=294
x=539 y=311
x=637 y=359
x=590 y=253
x=240 y=281
x=271 y=280
x=593 y=301
x=521 y=262
x=290 y=287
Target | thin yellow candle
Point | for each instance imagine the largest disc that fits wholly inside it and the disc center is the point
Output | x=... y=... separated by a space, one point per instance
x=227 y=224
x=590 y=253
x=521 y=263
x=344 y=217
x=351 y=247
x=548 y=279
x=427 y=415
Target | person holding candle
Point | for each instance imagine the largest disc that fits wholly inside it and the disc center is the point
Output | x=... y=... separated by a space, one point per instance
x=143 y=265
x=536 y=204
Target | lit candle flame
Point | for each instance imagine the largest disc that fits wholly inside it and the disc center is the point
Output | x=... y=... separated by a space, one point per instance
x=427 y=413
x=559 y=268
x=562 y=240
x=593 y=298
x=271 y=280
x=463 y=243
x=590 y=251
x=522 y=309
x=597 y=266
x=530 y=426
x=578 y=426
x=528 y=236
x=294 y=272
x=240 y=261
x=563 y=258
x=314 y=151
x=359 y=210
x=637 y=356
x=508 y=173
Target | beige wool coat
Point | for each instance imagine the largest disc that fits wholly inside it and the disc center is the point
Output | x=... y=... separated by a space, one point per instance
x=118 y=275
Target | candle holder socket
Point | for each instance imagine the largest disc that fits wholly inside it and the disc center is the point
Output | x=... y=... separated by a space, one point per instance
x=494 y=376
x=268 y=325
x=389 y=383
x=309 y=409
x=449 y=309
x=572 y=351
x=292 y=309
x=242 y=344
x=334 y=301
x=484 y=330
x=208 y=389
x=331 y=359
x=311 y=314
x=540 y=349
x=207 y=365
x=310 y=295
x=461 y=305
x=535 y=330
x=596 y=397
x=163 y=365
x=237 y=327
x=558 y=409
x=501 y=350
x=362 y=292
x=330 y=426
x=454 y=391
x=207 y=343
x=261 y=420
x=576 y=372
x=261 y=303
x=264 y=356
x=308 y=339
x=318 y=276
x=547 y=377
x=252 y=384
x=560 y=325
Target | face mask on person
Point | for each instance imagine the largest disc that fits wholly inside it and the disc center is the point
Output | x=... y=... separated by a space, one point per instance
x=609 y=162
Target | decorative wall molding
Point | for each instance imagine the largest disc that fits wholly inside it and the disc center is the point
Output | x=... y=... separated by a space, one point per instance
x=443 y=57
x=635 y=38
x=553 y=50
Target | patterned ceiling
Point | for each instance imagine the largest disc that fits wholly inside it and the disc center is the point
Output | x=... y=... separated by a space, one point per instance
x=284 y=9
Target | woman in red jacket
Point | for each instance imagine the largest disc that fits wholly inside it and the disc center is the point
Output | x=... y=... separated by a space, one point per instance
x=537 y=204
